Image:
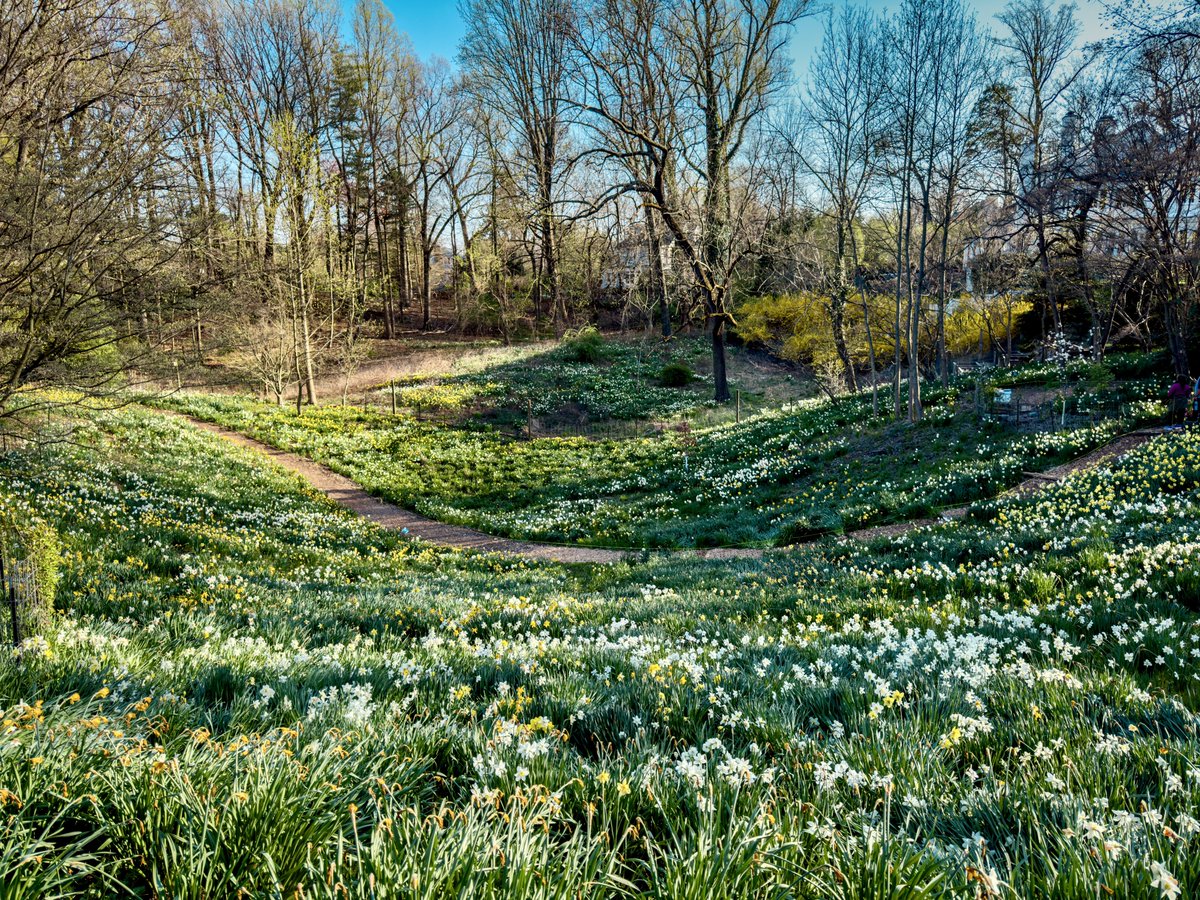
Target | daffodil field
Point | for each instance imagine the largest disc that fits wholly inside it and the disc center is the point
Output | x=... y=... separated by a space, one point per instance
x=800 y=471
x=248 y=692
x=593 y=377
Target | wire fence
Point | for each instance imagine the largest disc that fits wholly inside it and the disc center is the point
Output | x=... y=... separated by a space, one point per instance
x=18 y=583
x=1063 y=411
x=1023 y=408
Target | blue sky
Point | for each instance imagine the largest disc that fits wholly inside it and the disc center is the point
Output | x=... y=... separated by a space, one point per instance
x=435 y=28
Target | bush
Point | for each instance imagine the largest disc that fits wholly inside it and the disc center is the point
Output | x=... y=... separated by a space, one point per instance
x=676 y=374
x=585 y=345
x=1097 y=376
x=806 y=529
x=28 y=541
x=1139 y=364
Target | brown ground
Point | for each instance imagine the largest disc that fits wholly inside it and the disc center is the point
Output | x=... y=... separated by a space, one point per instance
x=426 y=361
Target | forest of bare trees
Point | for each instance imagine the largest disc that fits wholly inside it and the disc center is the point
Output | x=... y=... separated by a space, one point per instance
x=269 y=185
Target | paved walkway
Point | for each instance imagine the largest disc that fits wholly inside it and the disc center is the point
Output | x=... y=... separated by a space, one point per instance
x=349 y=495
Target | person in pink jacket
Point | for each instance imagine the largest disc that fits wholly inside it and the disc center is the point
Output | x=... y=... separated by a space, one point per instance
x=1178 y=395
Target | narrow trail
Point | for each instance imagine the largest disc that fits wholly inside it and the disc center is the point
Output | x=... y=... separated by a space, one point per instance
x=349 y=495
x=1034 y=481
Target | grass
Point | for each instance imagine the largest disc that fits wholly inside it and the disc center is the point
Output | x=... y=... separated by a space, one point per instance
x=586 y=380
x=250 y=692
x=804 y=470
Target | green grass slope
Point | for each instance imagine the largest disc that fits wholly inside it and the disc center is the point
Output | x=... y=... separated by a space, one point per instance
x=249 y=692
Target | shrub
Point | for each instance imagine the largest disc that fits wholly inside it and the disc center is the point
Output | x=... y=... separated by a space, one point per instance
x=1097 y=376
x=28 y=541
x=1139 y=364
x=675 y=374
x=585 y=345
x=808 y=528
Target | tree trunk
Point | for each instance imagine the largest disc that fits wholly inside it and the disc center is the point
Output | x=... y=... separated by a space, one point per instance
x=1176 y=335
x=550 y=263
x=403 y=280
x=837 y=309
x=943 y=287
x=720 y=377
x=914 y=350
x=867 y=324
x=716 y=214
x=1047 y=272
x=658 y=279
x=897 y=330
x=426 y=286
x=310 y=383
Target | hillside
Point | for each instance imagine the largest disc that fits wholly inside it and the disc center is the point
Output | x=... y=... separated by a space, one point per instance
x=971 y=706
x=789 y=472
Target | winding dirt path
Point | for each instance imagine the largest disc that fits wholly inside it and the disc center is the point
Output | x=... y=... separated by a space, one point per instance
x=1034 y=481
x=349 y=495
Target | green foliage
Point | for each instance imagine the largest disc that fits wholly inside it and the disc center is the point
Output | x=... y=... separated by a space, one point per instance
x=621 y=383
x=28 y=540
x=586 y=345
x=258 y=693
x=814 y=467
x=676 y=374
x=1144 y=364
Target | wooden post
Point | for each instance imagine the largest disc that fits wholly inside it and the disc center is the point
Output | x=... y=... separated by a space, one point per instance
x=739 y=407
x=529 y=418
x=393 y=396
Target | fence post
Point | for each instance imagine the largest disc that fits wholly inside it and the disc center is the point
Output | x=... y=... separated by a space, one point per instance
x=16 y=618
x=529 y=418
x=393 y=396
x=739 y=407
x=10 y=589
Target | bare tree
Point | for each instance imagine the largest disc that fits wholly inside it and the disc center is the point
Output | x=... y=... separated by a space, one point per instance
x=1154 y=158
x=838 y=139
x=968 y=69
x=435 y=146
x=938 y=70
x=89 y=106
x=1039 y=42
x=376 y=101
x=685 y=83
x=273 y=60
x=516 y=60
